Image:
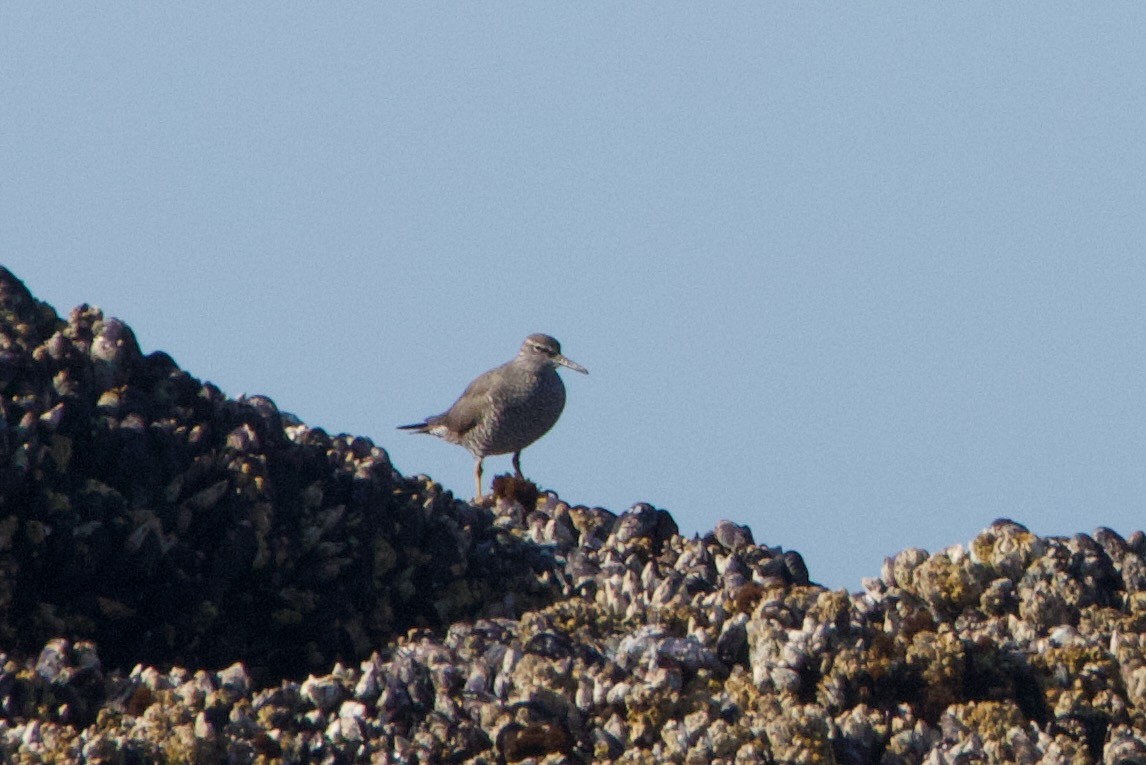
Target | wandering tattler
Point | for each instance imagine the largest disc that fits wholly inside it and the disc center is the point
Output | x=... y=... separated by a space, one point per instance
x=507 y=408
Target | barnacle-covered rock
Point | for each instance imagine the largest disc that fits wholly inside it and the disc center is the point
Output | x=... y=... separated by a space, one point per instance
x=1006 y=548
x=186 y=577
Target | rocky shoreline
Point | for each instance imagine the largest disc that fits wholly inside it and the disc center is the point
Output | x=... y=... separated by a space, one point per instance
x=190 y=578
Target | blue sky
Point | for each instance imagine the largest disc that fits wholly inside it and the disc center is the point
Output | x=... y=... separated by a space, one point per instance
x=861 y=276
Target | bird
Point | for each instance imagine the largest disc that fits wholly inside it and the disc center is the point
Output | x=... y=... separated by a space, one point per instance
x=506 y=408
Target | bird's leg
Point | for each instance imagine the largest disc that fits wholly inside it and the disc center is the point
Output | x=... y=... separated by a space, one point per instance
x=517 y=464
x=477 y=478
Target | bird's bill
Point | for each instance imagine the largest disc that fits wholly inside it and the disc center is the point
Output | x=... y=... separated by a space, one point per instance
x=571 y=364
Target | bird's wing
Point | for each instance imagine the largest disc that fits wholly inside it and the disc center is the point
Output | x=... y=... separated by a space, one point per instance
x=467 y=411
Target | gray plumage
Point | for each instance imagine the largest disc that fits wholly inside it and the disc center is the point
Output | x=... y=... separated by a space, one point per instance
x=507 y=408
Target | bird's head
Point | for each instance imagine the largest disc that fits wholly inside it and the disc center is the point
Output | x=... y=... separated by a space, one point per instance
x=545 y=349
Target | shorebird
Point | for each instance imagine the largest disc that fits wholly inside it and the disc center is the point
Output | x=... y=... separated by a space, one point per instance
x=507 y=408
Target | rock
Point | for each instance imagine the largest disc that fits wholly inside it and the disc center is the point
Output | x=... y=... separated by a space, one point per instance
x=238 y=586
x=732 y=535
